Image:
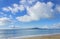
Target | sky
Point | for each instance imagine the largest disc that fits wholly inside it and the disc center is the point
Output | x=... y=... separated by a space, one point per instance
x=29 y=14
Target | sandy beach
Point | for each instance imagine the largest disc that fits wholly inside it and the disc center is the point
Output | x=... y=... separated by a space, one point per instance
x=57 y=36
x=45 y=37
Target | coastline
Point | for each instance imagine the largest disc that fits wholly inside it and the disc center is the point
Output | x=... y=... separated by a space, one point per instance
x=45 y=36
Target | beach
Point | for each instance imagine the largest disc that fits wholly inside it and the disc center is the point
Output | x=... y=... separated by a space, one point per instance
x=29 y=34
x=45 y=37
x=56 y=36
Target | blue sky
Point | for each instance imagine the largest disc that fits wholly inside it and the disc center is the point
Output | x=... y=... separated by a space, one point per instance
x=30 y=13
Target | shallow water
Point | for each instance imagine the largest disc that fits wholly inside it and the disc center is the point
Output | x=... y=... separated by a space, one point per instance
x=6 y=33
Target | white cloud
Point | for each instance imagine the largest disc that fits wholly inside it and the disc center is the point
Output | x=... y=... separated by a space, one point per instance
x=4 y=21
x=24 y=18
x=45 y=26
x=57 y=25
x=14 y=9
x=23 y=1
x=52 y=26
x=2 y=14
x=21 y=8
x=50 y=4
x=5 y=9
x=36 y=12
x=26 y=2
x=58 y=8
x=18 y=7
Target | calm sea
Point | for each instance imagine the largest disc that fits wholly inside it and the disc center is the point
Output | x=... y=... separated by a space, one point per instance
x=24 y=32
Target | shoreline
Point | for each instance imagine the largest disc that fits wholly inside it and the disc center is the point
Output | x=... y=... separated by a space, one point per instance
x=33 y=36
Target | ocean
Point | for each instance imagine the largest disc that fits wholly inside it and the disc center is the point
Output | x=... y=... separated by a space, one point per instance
x=6 y=33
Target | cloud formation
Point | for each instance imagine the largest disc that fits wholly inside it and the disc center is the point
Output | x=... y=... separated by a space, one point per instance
x=56 y=25
x=36 y=12
x=14 y=9
x=52 y=26
x=18 y=7
x=4 y=21
x=27 y=2
x=58 y=8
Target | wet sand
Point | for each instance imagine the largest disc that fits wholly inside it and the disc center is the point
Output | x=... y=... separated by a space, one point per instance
x=40 y=37
x=45 y=37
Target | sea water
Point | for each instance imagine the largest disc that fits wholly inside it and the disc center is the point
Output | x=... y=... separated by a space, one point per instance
x=6 y=33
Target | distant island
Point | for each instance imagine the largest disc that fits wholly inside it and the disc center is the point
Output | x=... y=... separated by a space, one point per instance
x=33 y=28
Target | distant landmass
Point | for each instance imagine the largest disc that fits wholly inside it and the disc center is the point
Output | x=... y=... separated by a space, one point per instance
x=34 y=28
x=40 y=28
